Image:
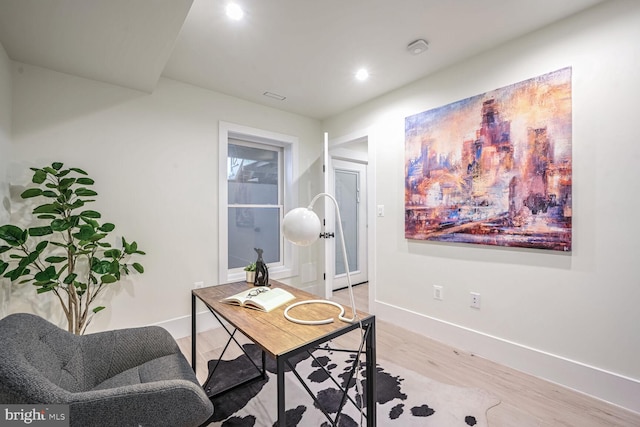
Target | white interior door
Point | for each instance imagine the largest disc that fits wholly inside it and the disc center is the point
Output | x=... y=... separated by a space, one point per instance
x=348 y=184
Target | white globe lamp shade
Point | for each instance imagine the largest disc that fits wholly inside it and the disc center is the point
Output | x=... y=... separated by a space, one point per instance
x=301 y=226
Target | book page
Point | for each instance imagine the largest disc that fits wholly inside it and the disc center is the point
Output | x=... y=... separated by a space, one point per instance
x=239 y=298
x=267 y=301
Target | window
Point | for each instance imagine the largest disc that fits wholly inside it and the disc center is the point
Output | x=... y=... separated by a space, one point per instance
x=254 y=202
x=256 y=189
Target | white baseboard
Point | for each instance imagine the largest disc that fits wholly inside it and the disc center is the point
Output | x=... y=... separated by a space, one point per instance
x=608 y=386
x=180 y=327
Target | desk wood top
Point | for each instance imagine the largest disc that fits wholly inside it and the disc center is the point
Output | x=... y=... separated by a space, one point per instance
x=272 y=331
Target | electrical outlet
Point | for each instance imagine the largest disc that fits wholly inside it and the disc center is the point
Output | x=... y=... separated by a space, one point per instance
x=198 y=284
x=475 y=300
x=437 y=292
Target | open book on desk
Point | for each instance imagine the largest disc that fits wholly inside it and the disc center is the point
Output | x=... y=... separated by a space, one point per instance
x=260 y=298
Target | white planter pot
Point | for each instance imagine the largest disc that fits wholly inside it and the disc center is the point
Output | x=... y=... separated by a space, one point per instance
x=251 y=276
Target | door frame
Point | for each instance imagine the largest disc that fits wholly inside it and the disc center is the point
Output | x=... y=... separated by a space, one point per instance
x=337 y=148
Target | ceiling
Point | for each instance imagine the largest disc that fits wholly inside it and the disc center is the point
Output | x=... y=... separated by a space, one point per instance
x=304 y=50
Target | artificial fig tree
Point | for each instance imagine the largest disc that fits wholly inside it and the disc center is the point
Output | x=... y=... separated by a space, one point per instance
x=66 y=253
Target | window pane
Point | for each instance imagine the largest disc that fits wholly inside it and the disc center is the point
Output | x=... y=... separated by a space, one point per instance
x=252 y=175
x=347 y=198
x=253 y=228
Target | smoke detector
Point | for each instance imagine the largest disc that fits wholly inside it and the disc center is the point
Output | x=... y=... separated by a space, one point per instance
x=418 y=46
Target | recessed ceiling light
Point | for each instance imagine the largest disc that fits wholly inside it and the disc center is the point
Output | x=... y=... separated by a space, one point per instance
x=362 y=74
x=234 y=11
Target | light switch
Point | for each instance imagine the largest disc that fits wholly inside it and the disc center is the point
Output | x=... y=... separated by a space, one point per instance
x=380 y=210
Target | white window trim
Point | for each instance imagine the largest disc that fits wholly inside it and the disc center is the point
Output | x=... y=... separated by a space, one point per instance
x=289 y=145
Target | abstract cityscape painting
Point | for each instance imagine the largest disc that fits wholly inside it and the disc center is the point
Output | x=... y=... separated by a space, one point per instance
x=493 y=169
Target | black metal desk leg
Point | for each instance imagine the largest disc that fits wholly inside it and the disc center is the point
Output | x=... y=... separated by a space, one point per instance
x=371 y=374
x=193 y=332
x=280 y=383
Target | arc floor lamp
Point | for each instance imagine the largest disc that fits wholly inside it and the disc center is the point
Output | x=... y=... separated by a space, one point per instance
x=301 y=226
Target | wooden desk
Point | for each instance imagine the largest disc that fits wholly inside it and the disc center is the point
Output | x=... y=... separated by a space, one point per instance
x=282 y=339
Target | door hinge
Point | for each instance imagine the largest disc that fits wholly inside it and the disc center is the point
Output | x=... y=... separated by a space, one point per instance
x=324 y=276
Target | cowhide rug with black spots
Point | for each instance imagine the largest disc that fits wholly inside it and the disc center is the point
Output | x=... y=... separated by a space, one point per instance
x=404 y=397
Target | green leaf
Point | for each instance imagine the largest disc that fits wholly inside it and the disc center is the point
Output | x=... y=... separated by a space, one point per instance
x=31 y=192
x=85 y=192
x=47 y=275
x=85 y=232
x=60 y=225
x=15 y=236
x=40 y=231
x=90 y=214
x=74 y=220
x=52 y=171
x=48 y=208
x=30 y=258
x=139 y=268
x=39 y=176
x=107 y=227
x=113 y=253
x=129 y=248
x=47 y=216
x=69 y=279
x=66 y=183
x=3 y=266
x=97 y=237
x=115 y=268
x=49 y=193
x=56 y=165
x=97 y=309
x=85 y=181
x=80 y=171
x=4 y=249
x=41 y=246
x=55 y=259
x=91 y=222
x=100 y=266
x=79 y=203
x=14 y=274
x=108 y=278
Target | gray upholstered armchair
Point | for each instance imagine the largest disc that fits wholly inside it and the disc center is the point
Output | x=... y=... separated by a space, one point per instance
x=128 y=377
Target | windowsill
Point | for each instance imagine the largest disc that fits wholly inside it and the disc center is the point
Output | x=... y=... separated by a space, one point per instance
x=274 y=273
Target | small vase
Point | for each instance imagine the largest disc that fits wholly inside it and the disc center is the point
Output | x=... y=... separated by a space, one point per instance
x=251 y=276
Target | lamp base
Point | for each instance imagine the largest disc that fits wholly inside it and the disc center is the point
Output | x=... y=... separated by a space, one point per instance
x=316 y=322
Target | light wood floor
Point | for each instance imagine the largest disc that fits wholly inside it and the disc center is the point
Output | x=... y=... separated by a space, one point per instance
x=525 y=400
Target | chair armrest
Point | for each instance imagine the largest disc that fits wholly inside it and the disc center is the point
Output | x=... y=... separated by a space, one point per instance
x=161 y=403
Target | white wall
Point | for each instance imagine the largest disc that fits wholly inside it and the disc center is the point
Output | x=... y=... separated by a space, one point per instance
x=5 y=155
x=571 y=318
x=154 y=160
x=5 y=131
